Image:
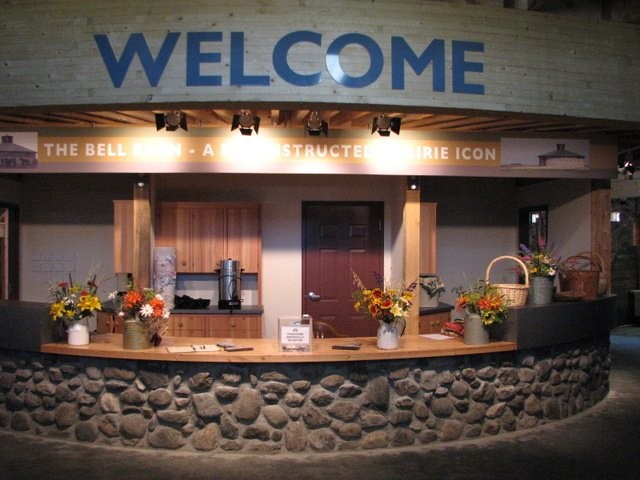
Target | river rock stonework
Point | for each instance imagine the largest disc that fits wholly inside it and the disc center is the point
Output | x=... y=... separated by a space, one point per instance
x=319 y=407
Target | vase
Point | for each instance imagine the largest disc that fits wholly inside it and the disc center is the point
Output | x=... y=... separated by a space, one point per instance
x=388 y=336
x=540 y=291
x=475 y=331
x=135 y=336
x=78 y=333
x=429 y=302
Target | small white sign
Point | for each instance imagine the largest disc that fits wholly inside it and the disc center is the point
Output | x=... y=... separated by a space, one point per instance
x=296 y=333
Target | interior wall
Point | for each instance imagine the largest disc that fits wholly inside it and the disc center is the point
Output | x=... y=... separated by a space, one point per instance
x=476 y=222
x=69 y=219
x=569 y=202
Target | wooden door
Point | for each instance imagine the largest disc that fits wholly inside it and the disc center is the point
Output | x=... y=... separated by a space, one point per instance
x=338 y=238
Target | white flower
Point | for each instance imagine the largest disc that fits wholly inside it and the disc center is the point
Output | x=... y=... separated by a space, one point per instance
x=146 y=310
x=113 y=295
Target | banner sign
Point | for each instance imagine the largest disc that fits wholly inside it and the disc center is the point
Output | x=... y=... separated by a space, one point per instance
x=144 y=150
x=220 y=151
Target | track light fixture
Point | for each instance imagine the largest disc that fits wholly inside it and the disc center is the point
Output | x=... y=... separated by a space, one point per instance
x=171 y=121
x=385 y=125
x=314 y=125
x=246 y=122
x=413 y=183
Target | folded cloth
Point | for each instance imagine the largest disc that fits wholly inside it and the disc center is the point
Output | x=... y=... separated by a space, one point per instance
x=454 y=328
x=189 y=303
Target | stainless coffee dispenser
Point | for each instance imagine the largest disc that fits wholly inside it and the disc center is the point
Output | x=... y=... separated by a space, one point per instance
x=229 y=284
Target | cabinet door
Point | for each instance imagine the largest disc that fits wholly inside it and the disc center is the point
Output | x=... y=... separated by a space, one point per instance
x=433 y=323
x=207 y=238
x=174 y=230
x=235 y=326
x=188 y=325
x=243 y=237
x=105 y=322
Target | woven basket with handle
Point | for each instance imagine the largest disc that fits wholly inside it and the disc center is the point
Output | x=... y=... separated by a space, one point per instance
x=514 y=293
x=580 y=272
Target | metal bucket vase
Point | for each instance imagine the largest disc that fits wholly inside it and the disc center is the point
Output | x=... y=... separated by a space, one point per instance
x=540 y=291
x=475 y=332
x=135 y=336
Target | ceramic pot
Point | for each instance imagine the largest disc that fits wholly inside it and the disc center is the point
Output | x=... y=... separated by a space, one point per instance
x=475 y=332
x=135 y=336
x=78 y=333
x=429 y=302
x=388 y=336
x=540 y=291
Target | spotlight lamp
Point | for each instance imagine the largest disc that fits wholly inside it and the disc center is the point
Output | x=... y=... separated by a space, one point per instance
x=385 y=125
x=315 y=125
x=171 y=121
x=246 y=122
x=413 y=183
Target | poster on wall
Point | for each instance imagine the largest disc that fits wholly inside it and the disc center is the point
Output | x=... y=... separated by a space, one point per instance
x=545 y=153
x=19 y=150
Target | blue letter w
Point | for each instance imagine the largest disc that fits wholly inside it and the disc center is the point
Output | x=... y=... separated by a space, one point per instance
x=136 y=45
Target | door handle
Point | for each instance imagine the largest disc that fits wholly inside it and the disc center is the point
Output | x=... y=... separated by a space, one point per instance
x=313 y=297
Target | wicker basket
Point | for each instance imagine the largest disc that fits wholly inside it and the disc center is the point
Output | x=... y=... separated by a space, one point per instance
x=581 y=272
x=603 y=282
x=515 y=293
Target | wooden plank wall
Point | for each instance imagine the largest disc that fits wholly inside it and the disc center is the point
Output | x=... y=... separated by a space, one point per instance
x=532 y=62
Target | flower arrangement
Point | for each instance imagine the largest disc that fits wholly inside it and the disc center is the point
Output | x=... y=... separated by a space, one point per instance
x=542 y=261
x=482 y=299
x=433 y=285
x=384 y=303
x=146 y=306
x=73 y=301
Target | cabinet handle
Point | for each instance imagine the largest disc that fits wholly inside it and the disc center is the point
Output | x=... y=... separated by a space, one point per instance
x=233 y=323
x=180 y=324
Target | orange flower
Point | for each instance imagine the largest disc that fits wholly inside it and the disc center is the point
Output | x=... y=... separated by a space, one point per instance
x=131 y=299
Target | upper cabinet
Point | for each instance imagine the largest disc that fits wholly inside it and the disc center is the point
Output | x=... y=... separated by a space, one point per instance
x=205 y=233
x=243 y=236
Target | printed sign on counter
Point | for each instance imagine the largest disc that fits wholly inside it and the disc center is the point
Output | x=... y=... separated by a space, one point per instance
x=295 y=333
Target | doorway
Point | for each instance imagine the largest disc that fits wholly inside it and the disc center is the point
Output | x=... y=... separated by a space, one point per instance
x=339 y=237
x=532 y=226
x=9 y=276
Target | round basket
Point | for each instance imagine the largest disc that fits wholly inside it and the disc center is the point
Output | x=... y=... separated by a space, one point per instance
x=581 y=273
x=514 y=293
x=603 y=281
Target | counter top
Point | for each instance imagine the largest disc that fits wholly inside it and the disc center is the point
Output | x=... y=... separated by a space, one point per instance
x=441 y=308
x=214 y=310
x=266 y=350
x=110 y=307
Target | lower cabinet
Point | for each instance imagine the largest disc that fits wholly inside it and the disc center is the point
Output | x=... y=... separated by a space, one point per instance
x=216 y=326
x=433 y=323
x=108 y=323
x=188 y=326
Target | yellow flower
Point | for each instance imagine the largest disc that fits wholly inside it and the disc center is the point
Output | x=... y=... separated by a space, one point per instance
x=57 y=310
x=89 y=302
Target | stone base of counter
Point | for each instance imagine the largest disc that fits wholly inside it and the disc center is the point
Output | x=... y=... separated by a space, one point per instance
x=266 y=408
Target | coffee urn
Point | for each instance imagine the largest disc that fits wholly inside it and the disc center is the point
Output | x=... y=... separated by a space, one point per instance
x=229 y=284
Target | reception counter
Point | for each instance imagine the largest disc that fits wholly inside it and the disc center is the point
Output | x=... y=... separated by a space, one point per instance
x=266 y=401
x=267 y=351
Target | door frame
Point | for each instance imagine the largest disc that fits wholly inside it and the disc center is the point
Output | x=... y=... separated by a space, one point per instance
x=12 y=254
